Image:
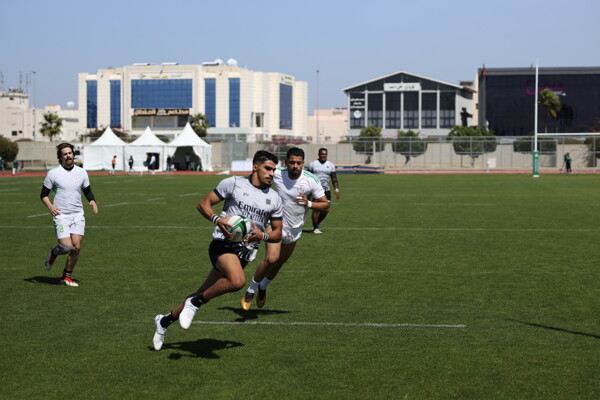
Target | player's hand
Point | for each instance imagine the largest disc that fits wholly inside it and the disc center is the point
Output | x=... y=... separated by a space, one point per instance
x=223 y=224
x=337 y=195
x=254 y=236
x=94 y=206
x=301 y=199
x=54 y=211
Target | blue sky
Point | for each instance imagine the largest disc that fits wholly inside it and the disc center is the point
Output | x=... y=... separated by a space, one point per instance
x=347 y=41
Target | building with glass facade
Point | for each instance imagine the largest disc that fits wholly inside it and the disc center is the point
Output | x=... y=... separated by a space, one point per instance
x=406 y=101
x=507 y=100
x=237 y=102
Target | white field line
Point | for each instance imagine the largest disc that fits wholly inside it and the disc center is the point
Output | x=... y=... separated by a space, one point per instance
x=344 y=324
x=188 y=194
x=37 y=215
x=158 y=198
x=9 y=190
x=407 y=229
x=129 y=202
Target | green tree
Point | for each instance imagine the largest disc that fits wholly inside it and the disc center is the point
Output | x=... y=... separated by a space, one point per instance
x=472 y=141
x=363 y=144
x=51 y=126
x=199 y=124
x=8 y=149
x=551 y=103
x=409 y=144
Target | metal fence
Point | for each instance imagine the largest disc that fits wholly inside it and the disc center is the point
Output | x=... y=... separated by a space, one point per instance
x=443 y=153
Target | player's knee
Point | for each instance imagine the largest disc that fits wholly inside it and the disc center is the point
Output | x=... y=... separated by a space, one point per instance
x=238 y=282
x=271 y=259
x=75 y=249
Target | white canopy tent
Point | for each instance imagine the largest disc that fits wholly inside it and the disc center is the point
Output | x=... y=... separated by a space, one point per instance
x=142 y=146
x=98 y=155
x=189 y=143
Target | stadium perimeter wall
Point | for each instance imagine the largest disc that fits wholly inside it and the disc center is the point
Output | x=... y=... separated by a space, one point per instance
x=439 y=156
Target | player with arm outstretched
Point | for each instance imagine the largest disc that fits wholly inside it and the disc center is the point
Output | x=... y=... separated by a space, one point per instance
x=67 y=181
x=324 y=170
x=299 y=191
x=251 y=197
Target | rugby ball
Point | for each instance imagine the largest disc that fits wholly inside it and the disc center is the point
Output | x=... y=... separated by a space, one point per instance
x=240 y=227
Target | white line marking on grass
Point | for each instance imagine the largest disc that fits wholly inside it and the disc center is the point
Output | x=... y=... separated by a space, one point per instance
x=37 y=215
x=130 y=202
x=407 y=229
x=365 y=324
x=452 y=204
x=9 y=190
x=158 y=198
x=188 y=194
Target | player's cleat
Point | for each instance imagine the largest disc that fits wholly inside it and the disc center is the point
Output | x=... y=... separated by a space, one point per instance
x=187 y=314
x=159 y=335
x=316 y=231
x=261 y=298
x=68 y=281
x=49 y=261
x=246 y=301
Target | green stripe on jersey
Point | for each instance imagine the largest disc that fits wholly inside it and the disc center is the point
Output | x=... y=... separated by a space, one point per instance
x=311 y=175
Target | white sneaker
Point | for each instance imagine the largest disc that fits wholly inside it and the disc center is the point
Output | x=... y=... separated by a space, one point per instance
x=159 y=335
x=317 y=231
x=187 y=314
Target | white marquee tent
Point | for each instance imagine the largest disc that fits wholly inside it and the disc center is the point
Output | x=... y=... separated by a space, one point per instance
x=98 y=155
x=147 y=143
x=188 y=142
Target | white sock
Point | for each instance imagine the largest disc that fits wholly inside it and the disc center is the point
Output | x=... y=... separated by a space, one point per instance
x=264 y=283
x=252 y=287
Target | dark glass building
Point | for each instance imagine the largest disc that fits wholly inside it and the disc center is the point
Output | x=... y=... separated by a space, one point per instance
x=507 y=100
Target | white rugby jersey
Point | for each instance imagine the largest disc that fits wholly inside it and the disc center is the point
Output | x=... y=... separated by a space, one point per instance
x=243 y=198
x=66 y=185
x=294 y=214
x=322 y=171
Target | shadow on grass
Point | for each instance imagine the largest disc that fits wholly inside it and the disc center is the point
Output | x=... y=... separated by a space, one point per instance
x=48 y=280
x=201 y=348
x=553 y=328
x=252 y=313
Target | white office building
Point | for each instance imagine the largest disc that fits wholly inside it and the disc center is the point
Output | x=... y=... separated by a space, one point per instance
x=237 y=102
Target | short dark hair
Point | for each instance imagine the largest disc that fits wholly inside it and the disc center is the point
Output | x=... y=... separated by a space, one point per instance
x=262 y=155
x=62 y=146
x=323 y=149
x=295 y=151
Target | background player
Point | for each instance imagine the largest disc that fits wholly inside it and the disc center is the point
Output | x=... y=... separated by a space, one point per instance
x=324 y=170
x=67 y=211
x=252 y=197
x=295 y=187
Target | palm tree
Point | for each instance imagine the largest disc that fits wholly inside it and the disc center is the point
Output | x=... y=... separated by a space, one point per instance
x=199 y=124
x=551 y=103
x=51 y=125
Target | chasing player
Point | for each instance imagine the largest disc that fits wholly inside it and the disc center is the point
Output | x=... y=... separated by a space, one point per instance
x=252 y=197
x=67 y=181
x=295 y=187
x=324 y=170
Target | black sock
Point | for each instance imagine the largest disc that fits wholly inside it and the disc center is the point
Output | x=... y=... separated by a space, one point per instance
x=66 y=274
x=199 y=300
x=167 y=320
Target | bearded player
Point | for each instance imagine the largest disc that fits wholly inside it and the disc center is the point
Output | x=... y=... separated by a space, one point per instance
x=299 y=191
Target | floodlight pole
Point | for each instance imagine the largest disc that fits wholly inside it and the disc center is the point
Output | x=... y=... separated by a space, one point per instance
x=536 y=154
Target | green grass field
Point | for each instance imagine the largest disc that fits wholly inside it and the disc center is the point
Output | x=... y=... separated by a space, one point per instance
x=486 y=286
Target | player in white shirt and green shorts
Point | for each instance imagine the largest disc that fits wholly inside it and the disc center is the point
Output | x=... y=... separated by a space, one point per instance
x=299 y=191
x=67 y=181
